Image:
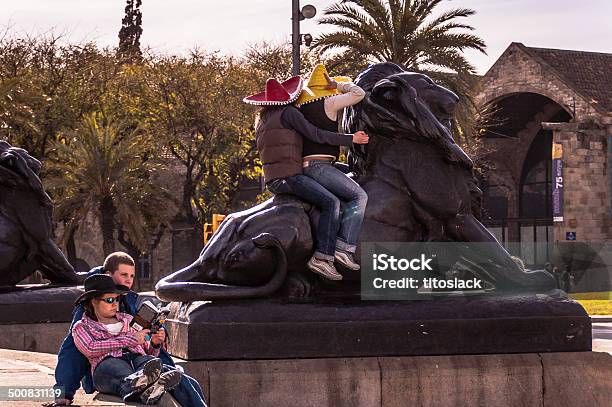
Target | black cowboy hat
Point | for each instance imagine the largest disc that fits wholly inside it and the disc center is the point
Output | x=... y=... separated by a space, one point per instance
x=99 y=284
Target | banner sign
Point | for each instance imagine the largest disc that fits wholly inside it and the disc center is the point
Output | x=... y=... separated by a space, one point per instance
x=557 y=182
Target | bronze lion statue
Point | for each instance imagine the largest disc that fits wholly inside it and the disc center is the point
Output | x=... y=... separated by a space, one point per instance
x=420 y=187
x=26 y=227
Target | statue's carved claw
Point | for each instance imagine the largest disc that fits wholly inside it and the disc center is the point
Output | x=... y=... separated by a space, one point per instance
x=299 y=288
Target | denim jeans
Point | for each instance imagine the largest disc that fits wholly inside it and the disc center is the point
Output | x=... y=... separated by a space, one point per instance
x=353 y=198
x=110 y=374
x=312 y=192
x=189 y=393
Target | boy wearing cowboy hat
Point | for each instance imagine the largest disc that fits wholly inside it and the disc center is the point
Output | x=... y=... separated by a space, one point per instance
x=280 y=131
x=320 y=101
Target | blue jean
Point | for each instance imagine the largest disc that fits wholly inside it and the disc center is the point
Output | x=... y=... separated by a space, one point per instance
x=71 y=367
x=312 y=192
x=189 y=392
x=354 y=200
x=110 y=377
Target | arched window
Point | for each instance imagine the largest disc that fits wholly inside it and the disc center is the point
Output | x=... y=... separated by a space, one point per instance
x=535 y=188
x=495 y=202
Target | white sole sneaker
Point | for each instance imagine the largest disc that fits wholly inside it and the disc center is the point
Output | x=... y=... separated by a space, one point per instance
x=167 y=381
x=324 y=269
x=346 y=260
x=149 y=375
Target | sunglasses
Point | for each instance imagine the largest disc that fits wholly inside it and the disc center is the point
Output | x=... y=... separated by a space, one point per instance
x=109 y=300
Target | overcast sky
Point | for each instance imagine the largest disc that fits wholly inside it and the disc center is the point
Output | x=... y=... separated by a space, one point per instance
x=175 y=26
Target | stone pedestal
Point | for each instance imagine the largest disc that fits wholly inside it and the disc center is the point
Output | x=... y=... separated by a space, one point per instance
x=38 y=304
x=265 y=329
x=36 y=318
x=565 y=379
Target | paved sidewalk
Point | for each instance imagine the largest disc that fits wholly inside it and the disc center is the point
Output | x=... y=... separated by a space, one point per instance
x=25 y=369
x=602 y=337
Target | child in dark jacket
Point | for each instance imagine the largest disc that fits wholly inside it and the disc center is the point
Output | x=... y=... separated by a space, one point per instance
x=279 y=130
x=321 y=102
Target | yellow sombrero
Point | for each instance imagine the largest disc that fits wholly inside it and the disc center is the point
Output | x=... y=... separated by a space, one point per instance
x=315 y=89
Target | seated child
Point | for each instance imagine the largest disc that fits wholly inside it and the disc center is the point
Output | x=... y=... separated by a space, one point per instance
x=123 y=362
x=72 y=367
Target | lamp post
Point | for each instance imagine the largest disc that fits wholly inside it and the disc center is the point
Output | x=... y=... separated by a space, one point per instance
x=298 y=15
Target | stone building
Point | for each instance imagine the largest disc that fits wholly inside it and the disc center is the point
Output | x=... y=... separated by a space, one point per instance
x=539 y=98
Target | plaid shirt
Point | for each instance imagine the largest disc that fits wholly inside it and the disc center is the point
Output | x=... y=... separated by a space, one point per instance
x=96 y=342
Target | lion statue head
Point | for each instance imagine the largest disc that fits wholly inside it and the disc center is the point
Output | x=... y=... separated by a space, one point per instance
x=18 y=168
x=403 y=105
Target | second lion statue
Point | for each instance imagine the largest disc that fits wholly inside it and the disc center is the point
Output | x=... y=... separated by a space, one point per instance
x=421 y=188
x=26 y=225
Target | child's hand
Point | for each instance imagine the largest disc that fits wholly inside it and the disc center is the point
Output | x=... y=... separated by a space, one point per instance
x=140 y=336
x=361 y=137
x=159 y=337
x=331 y=84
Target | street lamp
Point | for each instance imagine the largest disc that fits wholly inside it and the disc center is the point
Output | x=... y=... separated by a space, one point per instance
x=308 y=11
x=307 y=39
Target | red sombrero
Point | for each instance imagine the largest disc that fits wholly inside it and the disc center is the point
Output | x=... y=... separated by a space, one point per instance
x=277 y=93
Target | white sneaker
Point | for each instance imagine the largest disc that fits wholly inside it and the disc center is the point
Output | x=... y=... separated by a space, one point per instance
x=346 y=259
x=148 y=375
x=167 y=381
x=324 y=268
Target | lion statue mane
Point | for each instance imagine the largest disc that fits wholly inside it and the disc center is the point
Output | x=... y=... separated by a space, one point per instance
x=26 y=226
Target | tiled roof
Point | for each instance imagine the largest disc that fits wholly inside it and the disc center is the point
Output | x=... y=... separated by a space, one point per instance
x=589 y=73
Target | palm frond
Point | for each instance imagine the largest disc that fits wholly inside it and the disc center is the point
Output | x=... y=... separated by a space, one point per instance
x=345 y=39
x=367 y=31
x=451 y=15
x=377 y=10
x=408 y=33
x=458 y=41
x=423 y=8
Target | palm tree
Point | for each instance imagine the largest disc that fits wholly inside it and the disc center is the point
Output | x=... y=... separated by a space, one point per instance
x=400 y=31
x=102 y=169
x=404 y=32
